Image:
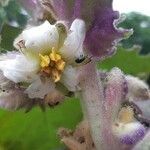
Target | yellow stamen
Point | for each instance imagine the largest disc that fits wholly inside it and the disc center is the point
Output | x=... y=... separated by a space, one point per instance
x=56 y=75
x=60 y=65
x=52 y=65
x=45 y=60
x=54 y=56
x=126 y=115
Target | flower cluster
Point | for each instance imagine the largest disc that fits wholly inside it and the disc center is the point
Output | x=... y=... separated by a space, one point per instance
x=59 y=55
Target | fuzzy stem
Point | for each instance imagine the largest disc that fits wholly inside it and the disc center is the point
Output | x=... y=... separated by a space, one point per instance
x=98 y=109
x=91 y=101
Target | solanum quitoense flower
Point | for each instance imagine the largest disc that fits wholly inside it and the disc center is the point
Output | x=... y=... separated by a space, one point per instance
x=48 y=58
x=45 y=58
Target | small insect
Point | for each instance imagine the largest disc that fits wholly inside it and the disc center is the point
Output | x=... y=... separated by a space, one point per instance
x=80 y=59
x=83 y=60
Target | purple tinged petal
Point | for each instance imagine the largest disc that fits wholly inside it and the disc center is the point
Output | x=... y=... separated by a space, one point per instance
x=114 y=96
x=103 y=35
x=62 y=8
x=133 y=137
x=126 y=128
x=138 y=89
x=101 y=21
x=77 y=9
x=11 y=96
x=144 y=144
x=114 y=92
x=129 y=133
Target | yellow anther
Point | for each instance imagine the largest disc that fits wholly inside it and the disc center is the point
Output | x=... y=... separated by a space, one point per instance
x=52 y=65
x=60 y=65
x=56 y=75
x=45 y=60
x=54 y=56
x=126 y=115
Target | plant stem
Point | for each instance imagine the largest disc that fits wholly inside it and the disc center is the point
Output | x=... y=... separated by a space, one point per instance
x=91 y=101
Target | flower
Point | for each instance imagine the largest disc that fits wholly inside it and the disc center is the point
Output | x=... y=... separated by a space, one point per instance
x=101 y=22
x=138 y=89
x=122 y=123
x=29 y=5
x=122 y=117
x=47 y=66
x=52 y=65
x=127 y=128
x=143 y=144
x=45 y=59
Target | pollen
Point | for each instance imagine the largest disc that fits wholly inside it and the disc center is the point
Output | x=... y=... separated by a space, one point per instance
x=54 y=56
x=45 y=60
x=52 y=65
x=126 y=115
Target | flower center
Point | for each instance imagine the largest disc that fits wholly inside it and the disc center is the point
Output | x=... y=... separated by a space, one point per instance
x=126 y=115
x=52 y=65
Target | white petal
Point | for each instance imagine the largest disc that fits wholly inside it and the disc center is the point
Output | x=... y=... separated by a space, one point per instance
x=70 y=79
x=144 y=106
x=125 y=129
x=19 y=68
x=73 y=45
x=129 y=133
x=39 y=88
x=41 y=38
x=138 y=89
x=11 y=97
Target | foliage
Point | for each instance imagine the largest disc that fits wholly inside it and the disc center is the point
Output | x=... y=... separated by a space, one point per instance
x=12 y=14
x=36 y=129
x=8 y=33
x=129 y=61
x=141 y=26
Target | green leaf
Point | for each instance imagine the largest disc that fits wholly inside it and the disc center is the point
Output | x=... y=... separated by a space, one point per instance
x=36 y=129
x=8 y=34
x=141 y=36
x=128 y=61
x=11 y=12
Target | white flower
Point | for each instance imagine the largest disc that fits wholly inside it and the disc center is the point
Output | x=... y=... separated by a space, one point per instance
x=127 y=128
x=39 y=89
x=137 y=89
x=70 y=78
x=43 y=62
x=19 y=68
x=39 y=39
x=73 y=45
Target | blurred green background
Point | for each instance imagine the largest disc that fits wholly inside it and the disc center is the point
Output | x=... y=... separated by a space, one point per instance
x=37 y=129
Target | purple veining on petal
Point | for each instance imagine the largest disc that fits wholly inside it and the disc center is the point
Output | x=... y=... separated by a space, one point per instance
x=113 y=99
x=144 y=143
x=77 y=9
x=103 y=35
x=114 y=92
x=134 y=137
x=62 y=9
x=101 y=21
